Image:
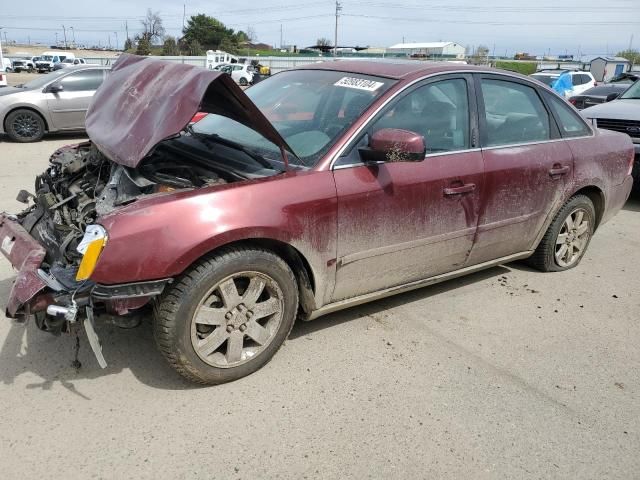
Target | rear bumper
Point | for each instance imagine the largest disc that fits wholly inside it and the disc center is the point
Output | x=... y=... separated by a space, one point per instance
x=25 y=255
x=617 y=198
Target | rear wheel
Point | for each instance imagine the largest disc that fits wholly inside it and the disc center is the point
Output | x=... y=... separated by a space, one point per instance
x=226 y=317
x=567 y=238
x=24 y=126
x=244 y=82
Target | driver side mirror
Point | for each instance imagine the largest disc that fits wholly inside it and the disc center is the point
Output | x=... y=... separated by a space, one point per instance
x=611 y=96
x=394 y=145
x=55 y=88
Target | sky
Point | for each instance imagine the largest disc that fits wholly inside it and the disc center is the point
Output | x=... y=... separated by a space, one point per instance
x=556 y=27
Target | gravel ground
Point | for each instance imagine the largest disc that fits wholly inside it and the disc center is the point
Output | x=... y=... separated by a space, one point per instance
x=508 y=373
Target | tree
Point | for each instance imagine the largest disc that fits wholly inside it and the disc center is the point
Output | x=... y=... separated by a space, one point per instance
x=144 y=45
x=152 y=24
x=630 y=54
x=323 y=42
x=194 y=48
x=208 y=32
x=128 y=45
x=170 y=47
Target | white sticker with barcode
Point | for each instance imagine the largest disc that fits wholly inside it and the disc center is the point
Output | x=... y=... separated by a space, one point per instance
x=359 y=84
x=7 y=244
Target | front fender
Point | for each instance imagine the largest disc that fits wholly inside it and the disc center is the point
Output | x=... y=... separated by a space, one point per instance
x=160 y=236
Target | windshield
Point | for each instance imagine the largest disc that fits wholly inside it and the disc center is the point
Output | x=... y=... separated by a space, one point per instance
x=310 y=109
x=632 y=92
x=546 y=79
x=48 y=58
x=40 y=82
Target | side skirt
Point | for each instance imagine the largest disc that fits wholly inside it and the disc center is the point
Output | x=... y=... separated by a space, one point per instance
x=387 y=292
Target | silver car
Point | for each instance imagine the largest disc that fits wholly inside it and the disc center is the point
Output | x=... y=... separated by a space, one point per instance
x=55 y=102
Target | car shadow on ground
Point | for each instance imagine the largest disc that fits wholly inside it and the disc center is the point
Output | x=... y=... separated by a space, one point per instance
x=27 y=350
x=71 y=136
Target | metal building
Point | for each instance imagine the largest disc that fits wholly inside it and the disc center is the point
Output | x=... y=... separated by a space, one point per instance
x=429 y=49
x=604 y=69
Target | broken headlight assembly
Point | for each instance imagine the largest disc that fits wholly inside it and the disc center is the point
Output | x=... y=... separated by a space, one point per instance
x=90 y=247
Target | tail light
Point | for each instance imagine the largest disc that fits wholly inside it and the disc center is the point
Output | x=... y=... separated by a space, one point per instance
x=573 y=100
x=631 y=160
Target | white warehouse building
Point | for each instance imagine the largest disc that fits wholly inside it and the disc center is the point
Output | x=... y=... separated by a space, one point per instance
x=429 y=49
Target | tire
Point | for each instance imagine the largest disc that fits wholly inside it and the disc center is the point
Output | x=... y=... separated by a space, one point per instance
x=243 y=82
x=555 y=255
x=203 y=353
x=23 y=125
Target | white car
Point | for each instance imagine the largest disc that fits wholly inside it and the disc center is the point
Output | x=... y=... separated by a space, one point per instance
x=242 y=74
x=581 y=81
x=69 y=62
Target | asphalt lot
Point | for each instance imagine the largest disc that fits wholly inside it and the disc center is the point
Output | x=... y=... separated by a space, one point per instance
x=508 y=373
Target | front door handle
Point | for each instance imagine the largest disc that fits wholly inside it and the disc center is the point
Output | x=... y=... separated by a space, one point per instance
x=466 y=188
x=558 y=170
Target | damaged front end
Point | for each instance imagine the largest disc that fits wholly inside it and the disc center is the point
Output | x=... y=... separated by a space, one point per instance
x=140 y=146
x=55 y=243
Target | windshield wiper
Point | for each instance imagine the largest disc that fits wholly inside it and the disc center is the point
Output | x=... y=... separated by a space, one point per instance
x=212 y=137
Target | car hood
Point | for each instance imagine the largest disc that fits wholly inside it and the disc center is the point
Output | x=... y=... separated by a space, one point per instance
x=619 y=109
x=144 y=101
x=10 y=90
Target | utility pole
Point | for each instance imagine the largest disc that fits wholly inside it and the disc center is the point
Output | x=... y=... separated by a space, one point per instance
x=335 y=37
x=126 y=29
x=56 y=39
x=109 y=40
x=631 y=42
x=184 y=14
x=280 y=36
x=74 y=36
x=116 y=34
x=65 y=37
x=1 y=57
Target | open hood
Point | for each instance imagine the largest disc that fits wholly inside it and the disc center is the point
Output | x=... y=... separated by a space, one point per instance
x=144 y=101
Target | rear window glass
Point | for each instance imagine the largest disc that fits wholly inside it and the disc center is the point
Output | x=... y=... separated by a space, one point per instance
x=569 y=122
x=546 y=79
x=514 y=113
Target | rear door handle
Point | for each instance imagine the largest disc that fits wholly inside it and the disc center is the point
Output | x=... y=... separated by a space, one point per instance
x=466 y=188
x=559 y=170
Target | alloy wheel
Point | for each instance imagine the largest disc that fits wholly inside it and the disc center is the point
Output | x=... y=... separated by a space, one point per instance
x=237 y=319
x=25 y=125
x=573 y=238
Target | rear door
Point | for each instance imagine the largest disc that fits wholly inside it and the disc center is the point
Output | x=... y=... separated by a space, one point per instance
x=527 y=165
x=400 y=222
x=68 y=107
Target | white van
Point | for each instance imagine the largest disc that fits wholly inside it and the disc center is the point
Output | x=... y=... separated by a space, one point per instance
x=218 y=57
x=49 y=59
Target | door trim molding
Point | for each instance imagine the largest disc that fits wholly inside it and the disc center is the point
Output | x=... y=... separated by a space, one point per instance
x=387 y=292
x=398 y=247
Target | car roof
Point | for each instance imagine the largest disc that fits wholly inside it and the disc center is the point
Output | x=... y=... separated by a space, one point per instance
x=395 y=69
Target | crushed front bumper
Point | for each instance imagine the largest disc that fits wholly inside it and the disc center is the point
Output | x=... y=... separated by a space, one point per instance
x=25 y=255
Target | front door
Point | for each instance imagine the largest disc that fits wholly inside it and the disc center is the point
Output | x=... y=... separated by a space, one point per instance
x=526 y=167
x=68 y=107
x=400 y=222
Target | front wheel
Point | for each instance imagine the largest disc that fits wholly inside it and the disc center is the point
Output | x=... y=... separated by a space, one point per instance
x=567 y=238
x=244 y=82
x=227 y=316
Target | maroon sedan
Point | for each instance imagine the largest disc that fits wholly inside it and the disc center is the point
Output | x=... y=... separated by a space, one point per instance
x=317 y=189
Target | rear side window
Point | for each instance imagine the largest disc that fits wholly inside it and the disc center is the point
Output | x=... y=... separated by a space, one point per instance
x=514 y=113
x=569 y=122
x=86 y=80
x=580 y=79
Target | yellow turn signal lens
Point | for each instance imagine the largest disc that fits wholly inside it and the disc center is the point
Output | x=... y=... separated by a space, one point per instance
x=90 y=259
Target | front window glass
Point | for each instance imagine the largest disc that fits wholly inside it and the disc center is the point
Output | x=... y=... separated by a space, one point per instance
x=43 y=80
x=309 y=108
x=633 y=92
x=47 y=58
x=513 y=113
x=438 y=111
x=84 y=81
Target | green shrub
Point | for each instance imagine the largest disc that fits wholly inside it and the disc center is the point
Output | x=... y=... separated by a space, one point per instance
x=525 y=68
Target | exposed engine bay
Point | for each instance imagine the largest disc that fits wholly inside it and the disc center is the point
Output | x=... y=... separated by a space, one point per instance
x=81 y=185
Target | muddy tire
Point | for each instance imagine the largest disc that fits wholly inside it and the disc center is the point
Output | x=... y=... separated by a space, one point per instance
x=24 y=126
x=227 y=316
x=567 y=238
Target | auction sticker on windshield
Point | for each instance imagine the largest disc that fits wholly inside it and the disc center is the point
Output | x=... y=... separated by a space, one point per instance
x=359 y=83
